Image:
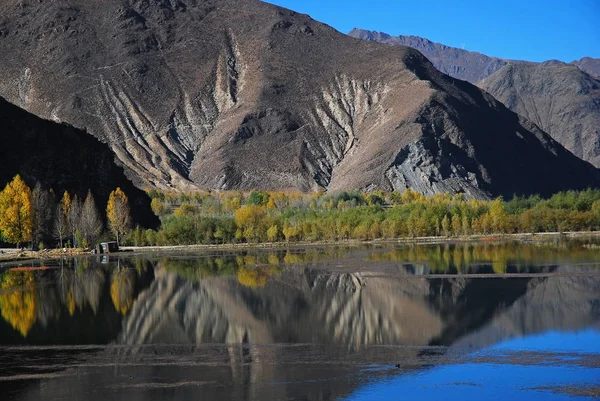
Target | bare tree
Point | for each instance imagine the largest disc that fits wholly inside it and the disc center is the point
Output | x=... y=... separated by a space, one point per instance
x=91 y=222
x=61 y=224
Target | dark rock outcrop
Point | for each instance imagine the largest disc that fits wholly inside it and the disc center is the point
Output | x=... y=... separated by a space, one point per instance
x=63 y=158
x=245 y=95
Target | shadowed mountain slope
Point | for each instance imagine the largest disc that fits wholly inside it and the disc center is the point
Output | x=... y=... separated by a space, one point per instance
x=561 y=99
x=65 y=159
x=225 y=94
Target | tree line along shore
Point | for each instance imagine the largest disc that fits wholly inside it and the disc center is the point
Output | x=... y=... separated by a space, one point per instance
x=38 y=217
x=260 y=216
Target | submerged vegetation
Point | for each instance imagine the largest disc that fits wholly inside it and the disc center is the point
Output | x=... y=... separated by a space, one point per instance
x=218 y=218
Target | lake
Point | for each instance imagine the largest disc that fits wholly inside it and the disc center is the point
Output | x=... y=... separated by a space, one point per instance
x=488 y=320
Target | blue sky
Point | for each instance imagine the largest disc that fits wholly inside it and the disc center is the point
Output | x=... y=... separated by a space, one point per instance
x=535 y=30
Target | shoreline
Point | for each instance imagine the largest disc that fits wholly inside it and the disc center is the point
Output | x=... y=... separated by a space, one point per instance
x=537 y=237
x=17 y=255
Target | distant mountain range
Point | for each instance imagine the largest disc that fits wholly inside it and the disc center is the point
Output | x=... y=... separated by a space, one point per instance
x=459 y=63
x=230 y=95
x=562 y=99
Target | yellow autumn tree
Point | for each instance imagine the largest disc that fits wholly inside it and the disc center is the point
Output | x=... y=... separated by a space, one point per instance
x=273 y=233
x=158 y=207
x=497 y=215
x=117 y=212
x=252 y=220
x=15 y=212
x=65 y=203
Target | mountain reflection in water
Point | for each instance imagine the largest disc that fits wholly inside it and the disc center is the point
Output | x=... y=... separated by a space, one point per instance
x=232 y=318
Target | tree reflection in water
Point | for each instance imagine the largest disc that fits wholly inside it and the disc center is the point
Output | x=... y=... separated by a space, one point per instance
x=279 y=293
x=18 y=300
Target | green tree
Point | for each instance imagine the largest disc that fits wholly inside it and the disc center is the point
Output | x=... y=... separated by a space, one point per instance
x=259 y=198
x=456 y=224
x=273 y=233
x=466 y=225
x=446 y=226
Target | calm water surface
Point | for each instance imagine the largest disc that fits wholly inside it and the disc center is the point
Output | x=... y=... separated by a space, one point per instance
x=453 y=321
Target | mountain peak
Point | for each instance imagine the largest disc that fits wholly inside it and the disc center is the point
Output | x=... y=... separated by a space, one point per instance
x=233 y=95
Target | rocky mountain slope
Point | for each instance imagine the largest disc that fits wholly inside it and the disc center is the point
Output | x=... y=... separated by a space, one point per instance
x=559 y=98
x=225 y=94
x=65 y=159
x=562 y=99
x=589 y=65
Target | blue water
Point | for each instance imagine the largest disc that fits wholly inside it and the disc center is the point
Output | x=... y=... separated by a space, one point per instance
x=584 y=341
x=495 y=379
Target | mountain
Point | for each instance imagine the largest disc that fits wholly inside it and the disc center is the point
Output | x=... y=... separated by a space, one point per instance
x=589 y=65
x=559 y=98
x=65 y=159
x=562 y=99
x=459 y=63
x=223 y=94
